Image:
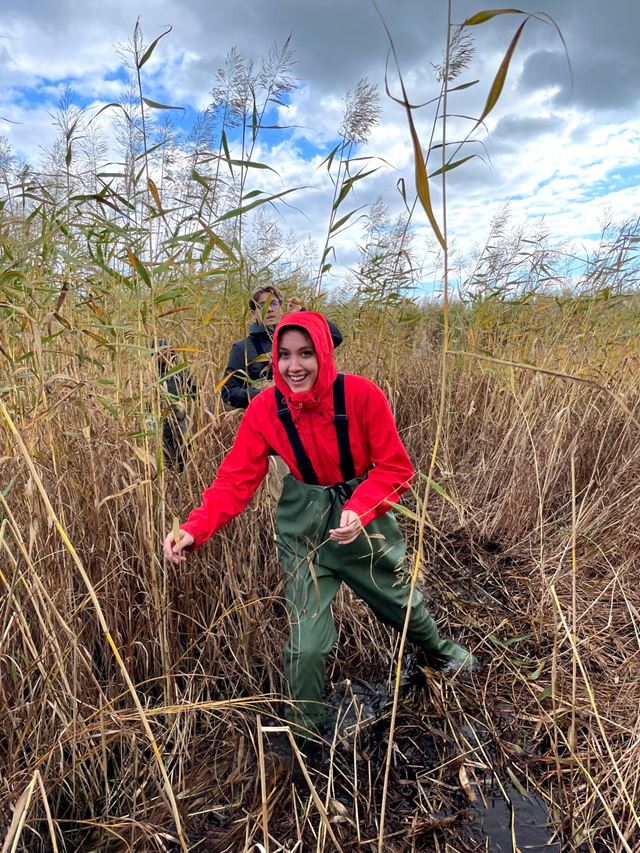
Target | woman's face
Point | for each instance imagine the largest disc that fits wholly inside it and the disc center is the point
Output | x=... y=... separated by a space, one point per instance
x=297 y=360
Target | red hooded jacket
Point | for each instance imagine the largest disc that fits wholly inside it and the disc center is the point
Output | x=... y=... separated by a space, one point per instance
x=375 y=444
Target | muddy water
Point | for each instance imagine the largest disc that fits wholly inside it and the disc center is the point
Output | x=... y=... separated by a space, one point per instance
x=507 y=819
x=517 y=824
x=501 y=820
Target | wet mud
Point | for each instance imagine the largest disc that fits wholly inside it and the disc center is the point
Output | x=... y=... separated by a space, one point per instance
x=497 y=817
x=446 y=789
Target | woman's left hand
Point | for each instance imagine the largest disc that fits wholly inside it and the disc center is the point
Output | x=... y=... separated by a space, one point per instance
x=350 y=528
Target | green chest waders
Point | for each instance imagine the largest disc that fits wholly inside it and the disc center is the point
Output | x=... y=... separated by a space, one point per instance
x=314 y=566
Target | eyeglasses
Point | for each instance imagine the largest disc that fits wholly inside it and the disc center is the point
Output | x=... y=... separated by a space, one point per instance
x=273 y=303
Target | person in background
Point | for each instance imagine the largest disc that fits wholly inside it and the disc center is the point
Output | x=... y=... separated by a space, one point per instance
x=334 y=521
x=175 y=389
x=249 y=369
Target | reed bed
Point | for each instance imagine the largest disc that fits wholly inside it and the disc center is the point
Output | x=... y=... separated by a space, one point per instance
x=140 y=704
x=532 y=559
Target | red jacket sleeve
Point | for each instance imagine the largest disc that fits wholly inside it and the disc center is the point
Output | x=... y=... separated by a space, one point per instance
x=391 y=470
x=239 y=475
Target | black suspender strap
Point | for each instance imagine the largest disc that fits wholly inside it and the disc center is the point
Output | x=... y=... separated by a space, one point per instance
x=341 y=423
x=342 y=429
x=302 y=460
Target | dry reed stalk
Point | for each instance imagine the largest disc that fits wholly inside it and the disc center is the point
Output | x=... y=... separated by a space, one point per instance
x=489 y=563
x=52 y=515
x=263 y=785
x=19 y=818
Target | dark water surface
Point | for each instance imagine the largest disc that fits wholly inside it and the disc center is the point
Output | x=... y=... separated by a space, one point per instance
x=502 y=820
x=520 y=824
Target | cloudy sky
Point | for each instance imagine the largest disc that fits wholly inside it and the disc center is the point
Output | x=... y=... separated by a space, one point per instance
x=563 y=144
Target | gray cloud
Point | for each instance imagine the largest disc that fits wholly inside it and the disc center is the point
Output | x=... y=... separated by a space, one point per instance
x=511 y=129
x=600 y=80
x=337 y=42
x=544 y=69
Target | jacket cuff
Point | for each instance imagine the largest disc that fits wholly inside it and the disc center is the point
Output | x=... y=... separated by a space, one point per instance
x=365 y=515
x=198 y=538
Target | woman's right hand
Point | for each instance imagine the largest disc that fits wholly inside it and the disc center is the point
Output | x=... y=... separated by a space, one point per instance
x=173 y=550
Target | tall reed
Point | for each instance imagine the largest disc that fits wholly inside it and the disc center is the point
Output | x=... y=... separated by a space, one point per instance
x=135 y=699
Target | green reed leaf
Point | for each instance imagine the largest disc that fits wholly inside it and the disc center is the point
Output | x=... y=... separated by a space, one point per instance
x=139 y=267
x=225 y=148
x=199 y=179
x=343 y=220
x=238 y=211
x=454 y=165
x=488 y=14
x=249 y=164
x=156 y=106
x=464 y=86
x=147 y=54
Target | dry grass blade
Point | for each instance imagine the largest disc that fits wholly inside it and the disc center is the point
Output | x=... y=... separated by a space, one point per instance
x=501 y=75
x=557 y=373
x=51 y=827
x=594 y=705
x=98 y=609
x=326 y=823
x=263 y=785
x=19 y=818
x=421 y=177
x=488 y=14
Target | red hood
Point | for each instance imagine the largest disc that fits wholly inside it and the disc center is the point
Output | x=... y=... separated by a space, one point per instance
x=317 y=328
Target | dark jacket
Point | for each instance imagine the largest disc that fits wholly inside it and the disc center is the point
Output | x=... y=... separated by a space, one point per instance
x=249 y=366
x=174 y=390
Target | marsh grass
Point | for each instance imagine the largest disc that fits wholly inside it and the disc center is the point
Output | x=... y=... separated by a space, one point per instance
x=531 y=558
x=137 y=701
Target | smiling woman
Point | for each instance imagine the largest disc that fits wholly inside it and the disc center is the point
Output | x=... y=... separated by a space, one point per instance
x=297 y=360
x=334 y=521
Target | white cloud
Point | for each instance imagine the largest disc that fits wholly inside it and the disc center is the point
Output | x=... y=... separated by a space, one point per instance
x=552 y=150
x=29 y=131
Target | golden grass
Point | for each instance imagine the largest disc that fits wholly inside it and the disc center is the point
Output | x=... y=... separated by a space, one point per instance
x=532 y=559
